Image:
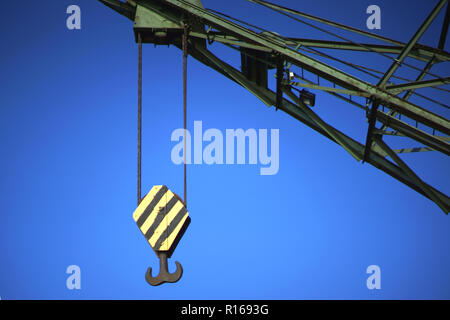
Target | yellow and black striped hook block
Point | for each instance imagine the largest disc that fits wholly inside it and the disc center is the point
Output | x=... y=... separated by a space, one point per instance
x=162 y=218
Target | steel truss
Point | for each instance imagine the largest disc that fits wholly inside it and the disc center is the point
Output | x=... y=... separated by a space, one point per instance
x=386 y=103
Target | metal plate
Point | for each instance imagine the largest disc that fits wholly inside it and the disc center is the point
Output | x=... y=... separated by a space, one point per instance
x=162 y=218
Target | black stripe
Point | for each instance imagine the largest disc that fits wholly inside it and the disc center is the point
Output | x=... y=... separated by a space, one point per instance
x=151 y=206
x=173 y=224
x=160 y=216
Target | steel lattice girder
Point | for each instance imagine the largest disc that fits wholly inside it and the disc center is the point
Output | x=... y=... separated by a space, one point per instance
x=234 y=34
x=412 y=42
x=290 y=108
x=317 y=67
x=422 y=51
x=416 y=52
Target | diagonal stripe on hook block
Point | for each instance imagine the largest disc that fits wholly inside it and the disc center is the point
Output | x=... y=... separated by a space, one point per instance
x=162 y=218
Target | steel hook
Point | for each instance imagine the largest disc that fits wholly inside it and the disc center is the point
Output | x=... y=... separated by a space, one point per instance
x=164 y=275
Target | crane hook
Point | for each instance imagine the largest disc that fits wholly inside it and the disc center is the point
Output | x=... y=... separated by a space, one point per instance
x=164 y=274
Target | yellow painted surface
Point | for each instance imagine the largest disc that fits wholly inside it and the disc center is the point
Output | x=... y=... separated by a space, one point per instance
x=145 y=202
x=168 y=218
x=165 y=222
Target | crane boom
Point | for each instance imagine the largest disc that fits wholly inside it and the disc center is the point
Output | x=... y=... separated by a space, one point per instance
x=163 y=22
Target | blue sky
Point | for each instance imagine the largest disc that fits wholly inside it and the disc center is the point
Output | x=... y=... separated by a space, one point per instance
x=68 y=170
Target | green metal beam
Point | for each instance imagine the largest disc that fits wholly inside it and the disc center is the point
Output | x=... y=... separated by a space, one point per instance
x=411 y=150
x=327 y=89
x=394 y=66
x=415 y=112
x=414 y=133
x=236 y=76
x=417 y=52
x=397 y=88
x=444 y=31
x=410 y=92
x=322 y=124
x=425 y=188
x=337 y=25
x=332 y=74
x=335 y=94
x=420 y=77
x=228 y=40
x=123 y=8
x=377 y=160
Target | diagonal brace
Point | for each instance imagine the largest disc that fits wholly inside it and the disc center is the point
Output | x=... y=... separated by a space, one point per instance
x=322 y=124
x=397 y=88
x=429 y=192
x=394 y=66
